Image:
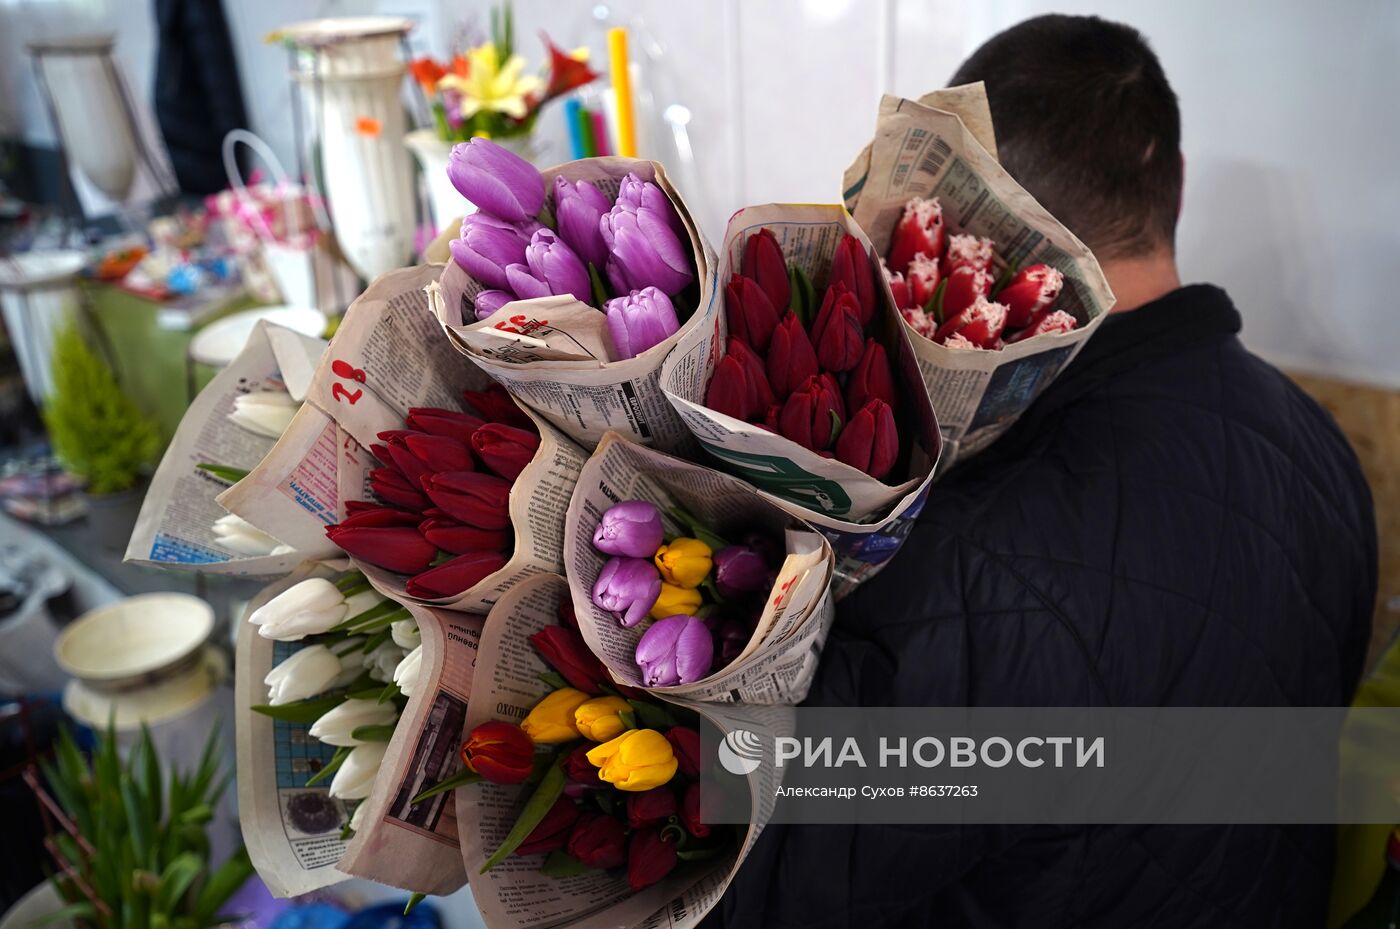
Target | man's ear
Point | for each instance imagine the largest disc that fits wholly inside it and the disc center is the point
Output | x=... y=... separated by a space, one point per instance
x=1181 y=193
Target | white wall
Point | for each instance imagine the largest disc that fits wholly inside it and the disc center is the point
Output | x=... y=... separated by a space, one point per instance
x=1291 y=127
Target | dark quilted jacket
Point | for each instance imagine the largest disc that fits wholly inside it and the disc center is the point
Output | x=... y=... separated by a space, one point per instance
x=1172 y=523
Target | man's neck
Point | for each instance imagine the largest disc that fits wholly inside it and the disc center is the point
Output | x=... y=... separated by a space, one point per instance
x=1141 y=279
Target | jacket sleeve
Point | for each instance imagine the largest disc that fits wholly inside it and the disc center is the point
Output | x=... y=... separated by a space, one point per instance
x=976 y=631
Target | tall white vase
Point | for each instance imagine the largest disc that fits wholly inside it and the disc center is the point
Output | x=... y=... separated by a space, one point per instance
x=92 y=117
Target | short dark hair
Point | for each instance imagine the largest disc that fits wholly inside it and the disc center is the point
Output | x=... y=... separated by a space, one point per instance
x=1087 y=122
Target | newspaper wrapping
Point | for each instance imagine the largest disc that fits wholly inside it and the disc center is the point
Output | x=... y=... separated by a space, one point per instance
x=866 y=520
x=388 y=356
x=175 y=528
x=926 y=149
x=777 y=664
x=514 y=894
x=557 y=369
x=294 y=833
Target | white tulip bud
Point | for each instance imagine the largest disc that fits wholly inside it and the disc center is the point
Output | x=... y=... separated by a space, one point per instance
x=354 y=779
x=310 y=671
x=307 y=608
x=355 y=604
x=351 y=660
x=381 y=662
x=408 y=670
x=266 y=413
x=242 y=537
x=358 y=816
x=336 y=725
x=405 y=634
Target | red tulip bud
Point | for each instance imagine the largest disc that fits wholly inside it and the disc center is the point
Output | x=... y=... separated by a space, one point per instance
x=449 y=423
x=871 y=379
x=922 y=323
x=598 y=841
x=395 y=548
x=791 y=357
x=850 y=265
x=685 y=745
x=362 y=513
x=650 y=807
x=923 y=279
x=438 y=452
x=553 y=831
x=452 y=536
x=920 y=231
x=400 y=457
x=770 y=418
x=497 y=405
x=760 y=392
x=504 y=449
x=650 y=857
x=690 y=812
x=567 y=617
x=980 y=324
x=838 y=334
x=763 y=262
x=481 y=500
x=813 y=414
x=564 y=650
x=1032 y=290
x=1048 y=322
x=455 y=576
x=391 y=486
x=728 y=392
x=970 y=251
x=899 y=287
x=869 y=442
x=965 y=285
x=578 y=769
x=751 y=314
x=499 y=751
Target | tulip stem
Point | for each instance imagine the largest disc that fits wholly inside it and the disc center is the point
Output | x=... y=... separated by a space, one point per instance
x=551 y=787
x=336 y=761
x=223 y=472
x=350 y=580
x=935 y=303
x=803 y=294
x=460 y=779
x=600 y=292
x=1007 y=274
x=697 y=529
x=373 y=619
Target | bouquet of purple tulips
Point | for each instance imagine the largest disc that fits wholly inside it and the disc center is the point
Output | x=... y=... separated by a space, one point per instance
x=704 y=594
x=625 y=252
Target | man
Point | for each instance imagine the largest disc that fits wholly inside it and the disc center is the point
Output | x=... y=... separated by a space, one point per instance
x=1173 y=523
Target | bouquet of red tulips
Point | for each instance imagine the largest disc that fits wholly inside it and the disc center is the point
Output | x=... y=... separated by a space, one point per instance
x=571 y=285
x=584 y=794
x=996 y=293
x=958 y=291
x=688 y=581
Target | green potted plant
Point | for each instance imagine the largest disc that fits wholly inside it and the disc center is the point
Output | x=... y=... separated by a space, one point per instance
x=137 y=852
x=97 y=433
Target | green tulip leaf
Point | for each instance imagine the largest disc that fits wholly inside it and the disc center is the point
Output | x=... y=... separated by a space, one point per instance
x=223 y=472
x=550 y=789
x=372 y=733
x=935 y=303
x=460 y=779
x=560 y=863
x=336 y=761
x=652 y=715
x=304 y=712
x=413 y=900
x=554 y=679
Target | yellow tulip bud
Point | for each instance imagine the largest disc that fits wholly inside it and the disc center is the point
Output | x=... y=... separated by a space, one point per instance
x=598 y=719
x=675 y=600
x=639 y=759
x=552 y=719
x=685 y=562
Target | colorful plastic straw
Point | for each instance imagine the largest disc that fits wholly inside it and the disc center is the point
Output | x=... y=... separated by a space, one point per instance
x=572 y=114
x=600 y=132
x=622 y=91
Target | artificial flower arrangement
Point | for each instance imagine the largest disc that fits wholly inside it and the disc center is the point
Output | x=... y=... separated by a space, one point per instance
x=625 y=254
x=956 y=290
x=811 y=371
x=359 y=661
x=613 y=775
x=445 y=483
x=487 y=92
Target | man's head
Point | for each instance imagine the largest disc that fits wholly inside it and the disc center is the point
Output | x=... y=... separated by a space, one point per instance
x=1086 y=121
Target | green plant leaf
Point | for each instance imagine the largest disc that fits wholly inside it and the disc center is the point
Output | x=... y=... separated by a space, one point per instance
x=628 y=717
x=551 y=786
x=177 y=877
x=460 y=779
x=935 y=303
x=336 y=761
x=372 y=733
x=554 y=679
x=560 y=863
x=305 y=712
x=697 y=529
x=652 y=716
x=222 y=883
x=601 y=294
x=223 y=472
x=413 y=900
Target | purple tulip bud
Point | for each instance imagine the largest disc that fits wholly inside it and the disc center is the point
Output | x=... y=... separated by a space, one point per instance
x=489 y=301
x=631 y=528
x=627 y=588
x=498 y=181
x=639 y=321
x=578 y=206
x=636 y=193
x=739 y=570
x=552 y=261
x=730 y=636
x=486 y=245
x=523 y=282
x=675 y=650
x=767 y=546
x=644 y=251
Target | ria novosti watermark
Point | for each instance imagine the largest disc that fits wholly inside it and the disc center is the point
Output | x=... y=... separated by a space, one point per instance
x=1050 y=765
